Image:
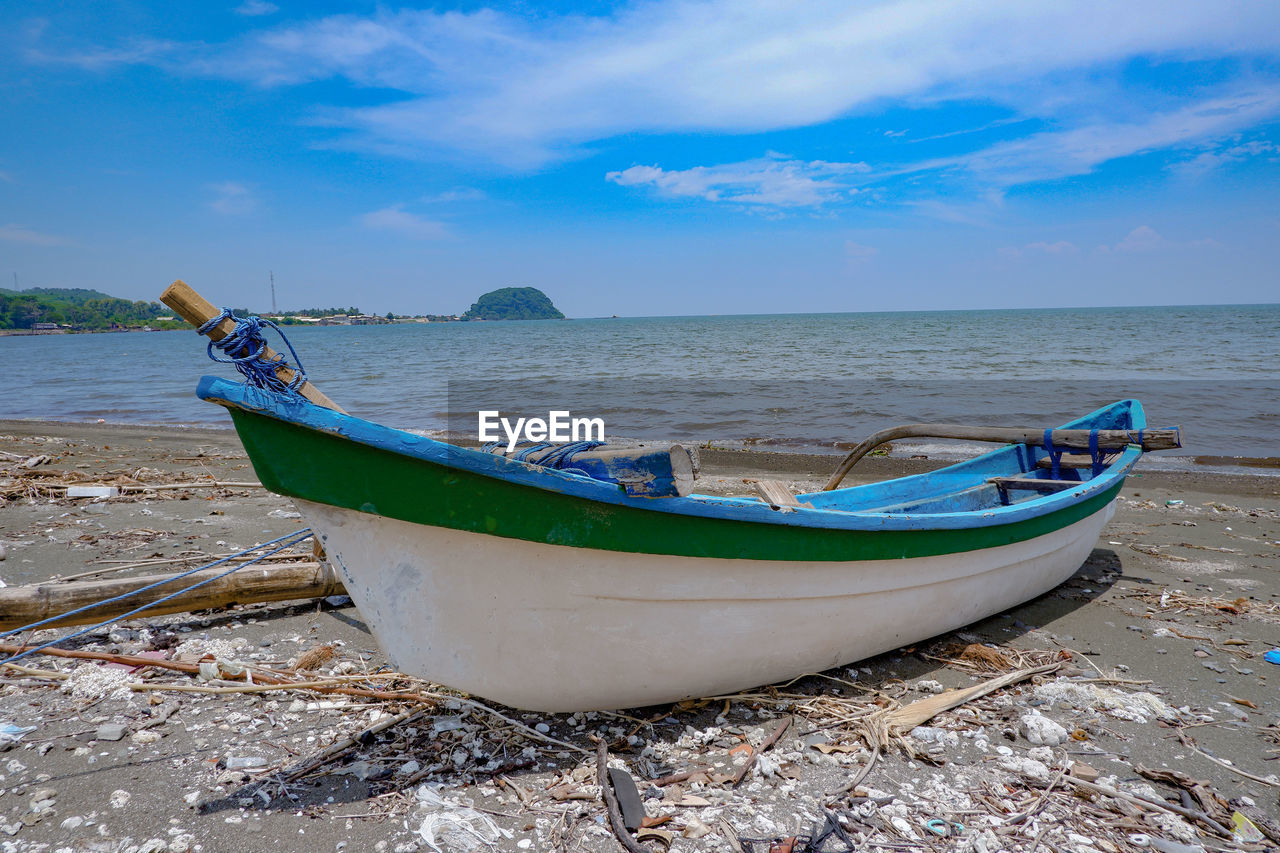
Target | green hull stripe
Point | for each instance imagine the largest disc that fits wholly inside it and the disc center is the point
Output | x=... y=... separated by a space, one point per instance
x=328 y=469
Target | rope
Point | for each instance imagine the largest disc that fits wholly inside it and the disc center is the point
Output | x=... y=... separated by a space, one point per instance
x=244 y=348
x=295 y=538
x=1055 y=455
x=1094 y=456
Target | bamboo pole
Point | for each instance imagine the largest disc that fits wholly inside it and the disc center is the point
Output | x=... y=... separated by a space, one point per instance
x=22 y=605
x=197 y=311
x=1078 y=439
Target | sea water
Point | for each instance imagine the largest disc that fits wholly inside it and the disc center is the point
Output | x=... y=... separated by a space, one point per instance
x=788 y=381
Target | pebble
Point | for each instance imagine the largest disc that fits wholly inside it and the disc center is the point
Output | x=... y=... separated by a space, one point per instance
x=110 y=731
x=542 y=728
x=1043 y=731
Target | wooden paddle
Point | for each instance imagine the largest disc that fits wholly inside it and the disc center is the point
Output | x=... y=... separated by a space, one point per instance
x=197 y=311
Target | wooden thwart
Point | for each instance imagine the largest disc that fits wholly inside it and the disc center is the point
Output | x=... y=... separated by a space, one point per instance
x=778 y=494
x=197 y=311
x=1078 y=439
x=1033 y=484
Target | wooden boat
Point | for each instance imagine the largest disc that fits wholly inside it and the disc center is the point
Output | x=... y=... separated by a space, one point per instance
x=548 y=590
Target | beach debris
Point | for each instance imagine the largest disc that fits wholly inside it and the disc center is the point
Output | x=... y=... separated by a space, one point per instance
x=453 y=826
x=1272 y=656
x=883 y=726
x=316 y=657
x=11 y=733
x=91 y=682
x=92 y=491
x=1139 y=707
x=624 y=787
x=245 y=762
x=1042 y=731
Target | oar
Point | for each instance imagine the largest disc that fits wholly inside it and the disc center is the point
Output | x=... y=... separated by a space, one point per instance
x=1108 y=439
x=197 y=311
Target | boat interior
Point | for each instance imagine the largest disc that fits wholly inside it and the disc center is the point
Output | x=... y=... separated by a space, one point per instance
x=1010 y=475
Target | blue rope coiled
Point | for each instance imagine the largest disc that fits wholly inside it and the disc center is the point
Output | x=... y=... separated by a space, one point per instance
x=561 y=457
x=294 y=538
x=244 y=348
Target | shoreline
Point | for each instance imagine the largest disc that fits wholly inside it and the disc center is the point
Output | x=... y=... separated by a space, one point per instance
x=1211 y=467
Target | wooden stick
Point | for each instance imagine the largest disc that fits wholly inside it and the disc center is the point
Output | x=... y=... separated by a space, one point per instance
x=199 y=484
x=22 y=605
x=1148 y=802
x=197 y=311
x=774 y=737
x=611 y=801
x=1108 y=439
x=352 y=741
x=130 y=565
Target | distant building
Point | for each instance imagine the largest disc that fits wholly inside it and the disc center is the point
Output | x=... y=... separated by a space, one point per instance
x=45 y=327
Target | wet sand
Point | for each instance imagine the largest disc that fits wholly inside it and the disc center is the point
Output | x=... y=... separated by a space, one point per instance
x=1178 y=600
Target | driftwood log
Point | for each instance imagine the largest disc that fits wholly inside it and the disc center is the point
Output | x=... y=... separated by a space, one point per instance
x=22 y=605
x=1077 y=439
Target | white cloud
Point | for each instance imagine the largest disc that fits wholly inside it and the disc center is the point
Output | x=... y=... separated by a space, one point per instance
x=765 y=182
x=13 y=233
x=233 y=198
x=400 y=221
x=523 y=90
x=256 y=8
x=1209 y=161
x=136 y=51
x=1144 y=238
x=857 y=252
x=1061 y=154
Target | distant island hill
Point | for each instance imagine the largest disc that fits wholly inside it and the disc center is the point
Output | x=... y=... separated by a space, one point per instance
x=55 y=310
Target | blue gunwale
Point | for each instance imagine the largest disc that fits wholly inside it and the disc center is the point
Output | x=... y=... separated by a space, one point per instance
x=852 y=508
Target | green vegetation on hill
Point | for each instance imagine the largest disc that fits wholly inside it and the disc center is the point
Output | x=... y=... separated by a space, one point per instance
x=79 y=309
x=513 y=303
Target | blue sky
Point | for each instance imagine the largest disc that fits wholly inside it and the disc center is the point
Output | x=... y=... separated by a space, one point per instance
x=646 y=158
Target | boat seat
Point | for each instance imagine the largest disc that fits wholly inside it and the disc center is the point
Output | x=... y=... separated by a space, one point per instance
x=1069 y=461
x=778 y=495
x=1033 y=484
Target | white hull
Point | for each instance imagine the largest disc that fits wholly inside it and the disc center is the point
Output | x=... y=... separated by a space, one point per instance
x=553 y=628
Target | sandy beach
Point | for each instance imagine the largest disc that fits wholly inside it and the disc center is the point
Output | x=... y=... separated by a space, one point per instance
x=1160 y=637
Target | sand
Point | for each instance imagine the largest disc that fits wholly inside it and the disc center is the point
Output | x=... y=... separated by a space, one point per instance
x=1130 y=613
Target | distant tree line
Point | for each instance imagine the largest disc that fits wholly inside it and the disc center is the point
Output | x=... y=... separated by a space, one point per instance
x=319 y=312
x=79 y=309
